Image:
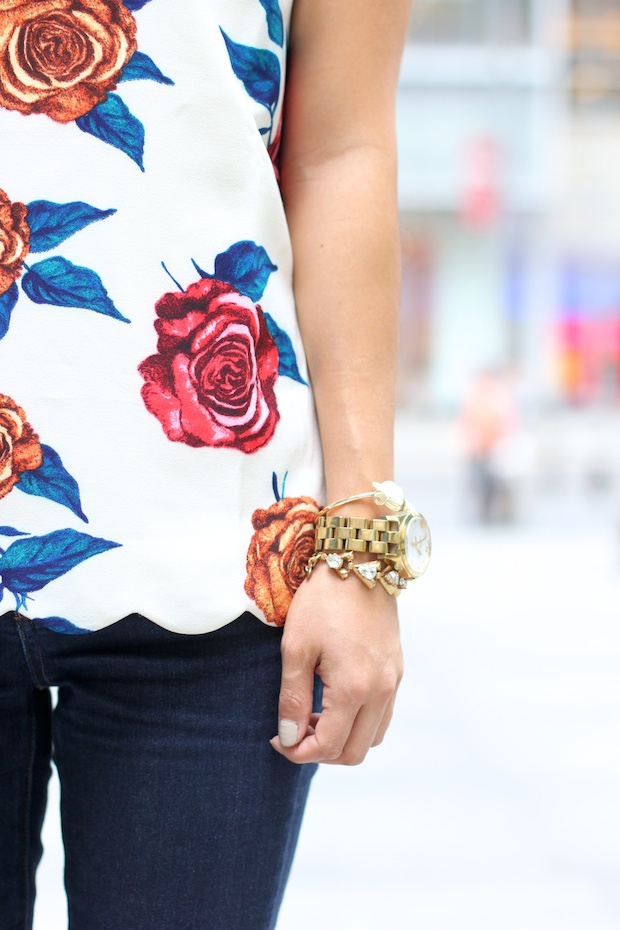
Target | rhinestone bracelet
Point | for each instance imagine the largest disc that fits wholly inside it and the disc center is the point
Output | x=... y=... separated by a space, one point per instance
x=369 y=573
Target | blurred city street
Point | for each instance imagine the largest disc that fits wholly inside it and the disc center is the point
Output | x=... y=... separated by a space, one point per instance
x=494 y=802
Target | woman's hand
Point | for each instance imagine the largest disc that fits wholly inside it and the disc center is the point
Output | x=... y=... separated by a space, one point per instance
x=350 y=636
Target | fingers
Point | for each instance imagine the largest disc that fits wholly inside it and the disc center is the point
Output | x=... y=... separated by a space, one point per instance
x=325 y=741
x=296 y=690
x=385 y=722
x=347 y=728
x=361 y=737
x=367 y=732
x=354 y=645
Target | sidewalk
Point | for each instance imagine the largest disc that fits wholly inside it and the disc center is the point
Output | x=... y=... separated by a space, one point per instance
x=493 y=803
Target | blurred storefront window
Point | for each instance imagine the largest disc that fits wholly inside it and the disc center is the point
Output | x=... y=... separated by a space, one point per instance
x=594 y=42
x=509 y=139
x=460 y=21
x=588 y=332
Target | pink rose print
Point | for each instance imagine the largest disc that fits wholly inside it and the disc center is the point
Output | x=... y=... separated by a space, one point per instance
x=212 y=380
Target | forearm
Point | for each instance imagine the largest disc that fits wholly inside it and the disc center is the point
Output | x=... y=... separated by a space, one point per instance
x=339 y=189
x=343 y=219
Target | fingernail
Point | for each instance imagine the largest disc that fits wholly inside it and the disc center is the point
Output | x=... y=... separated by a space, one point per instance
x=288 y=731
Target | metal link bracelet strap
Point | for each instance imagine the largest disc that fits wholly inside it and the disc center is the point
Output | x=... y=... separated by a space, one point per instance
x=338 y=538
x=378 y=536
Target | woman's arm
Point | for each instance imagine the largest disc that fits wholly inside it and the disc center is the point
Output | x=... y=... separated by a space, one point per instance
x=338 y=175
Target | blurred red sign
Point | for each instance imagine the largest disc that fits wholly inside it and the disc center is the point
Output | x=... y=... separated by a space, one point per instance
x=481 y=202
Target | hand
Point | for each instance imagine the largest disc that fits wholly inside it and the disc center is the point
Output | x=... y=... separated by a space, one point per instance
x=350 y=636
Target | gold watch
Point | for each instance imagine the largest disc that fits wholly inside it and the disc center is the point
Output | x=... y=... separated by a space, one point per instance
x=402 y=539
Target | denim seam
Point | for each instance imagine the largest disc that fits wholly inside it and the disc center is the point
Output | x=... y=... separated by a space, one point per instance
x=22 y=636
x=27 y=894
x=35 y=638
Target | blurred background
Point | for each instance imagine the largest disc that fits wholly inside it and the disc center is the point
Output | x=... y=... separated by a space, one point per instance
x=494 y=802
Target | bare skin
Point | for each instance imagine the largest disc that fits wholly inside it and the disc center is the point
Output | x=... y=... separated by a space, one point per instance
x=339 y=190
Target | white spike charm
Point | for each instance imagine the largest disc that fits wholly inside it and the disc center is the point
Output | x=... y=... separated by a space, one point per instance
x=389 y=494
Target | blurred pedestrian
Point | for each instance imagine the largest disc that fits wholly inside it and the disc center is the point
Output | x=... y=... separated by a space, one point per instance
x=489 y=422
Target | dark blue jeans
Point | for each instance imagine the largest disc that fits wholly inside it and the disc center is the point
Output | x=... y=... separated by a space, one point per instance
x=177 y=814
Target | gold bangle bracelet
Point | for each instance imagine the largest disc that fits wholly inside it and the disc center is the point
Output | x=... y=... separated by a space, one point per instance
x=386 y=494
x=346 y=500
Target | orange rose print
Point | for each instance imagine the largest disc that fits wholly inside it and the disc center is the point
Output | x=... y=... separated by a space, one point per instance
x=61 y=57
x=282 y=543
x=19 y=445
x=14 y=241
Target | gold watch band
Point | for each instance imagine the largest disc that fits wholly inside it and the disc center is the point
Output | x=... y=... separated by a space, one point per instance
x=379 y=536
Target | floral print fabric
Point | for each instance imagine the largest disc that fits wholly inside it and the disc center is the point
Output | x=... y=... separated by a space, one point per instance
x=282 y=543
x=19 y=445
x=14 y=241
x=61 y=57
x=139 y=462
x=212 y=381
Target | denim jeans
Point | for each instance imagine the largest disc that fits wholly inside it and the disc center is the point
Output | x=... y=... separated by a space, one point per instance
x=176 y=812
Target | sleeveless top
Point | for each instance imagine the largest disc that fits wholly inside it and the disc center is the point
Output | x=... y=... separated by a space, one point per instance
x=159 y=452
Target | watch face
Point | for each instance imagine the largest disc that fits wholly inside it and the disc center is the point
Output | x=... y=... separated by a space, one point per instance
x=417 y=545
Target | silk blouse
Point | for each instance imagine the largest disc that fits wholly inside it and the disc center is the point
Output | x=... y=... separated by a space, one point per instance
x=159 y=452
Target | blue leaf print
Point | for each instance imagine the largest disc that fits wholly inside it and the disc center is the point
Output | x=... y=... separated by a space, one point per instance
x=7 y=305
x=51 y=223
x=246 y=266
x=11 y=531
x=29 y=564
x=112 y=122
x=141 y=67
x=52 y=480
x=288 y=362
x=59 y=282
x=259 y=70
x=134 y=5
x=59 y=625
x=275 y=24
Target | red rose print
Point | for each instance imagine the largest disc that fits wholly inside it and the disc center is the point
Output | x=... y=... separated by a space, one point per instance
x=14 y=241
x=61 y=57
x=212 y=381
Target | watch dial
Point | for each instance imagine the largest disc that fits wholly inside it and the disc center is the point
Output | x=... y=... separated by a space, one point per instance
x=418 y=545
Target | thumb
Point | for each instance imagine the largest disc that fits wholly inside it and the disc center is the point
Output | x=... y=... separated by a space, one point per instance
x=296 y=691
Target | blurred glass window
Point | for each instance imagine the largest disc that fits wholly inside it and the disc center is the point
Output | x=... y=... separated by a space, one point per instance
x=594 y=39
x=500 y=22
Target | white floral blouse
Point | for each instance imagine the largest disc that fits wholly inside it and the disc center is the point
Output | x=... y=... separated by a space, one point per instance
x=158 y=445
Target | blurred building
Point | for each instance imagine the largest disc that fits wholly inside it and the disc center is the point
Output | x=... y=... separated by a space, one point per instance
x=509 y=136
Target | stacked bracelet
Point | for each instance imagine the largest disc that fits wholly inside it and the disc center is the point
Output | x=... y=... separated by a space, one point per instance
x=400 y=541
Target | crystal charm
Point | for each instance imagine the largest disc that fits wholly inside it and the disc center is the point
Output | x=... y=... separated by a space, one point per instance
x=392 y=578
x=368 y=570
x=334 y=560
